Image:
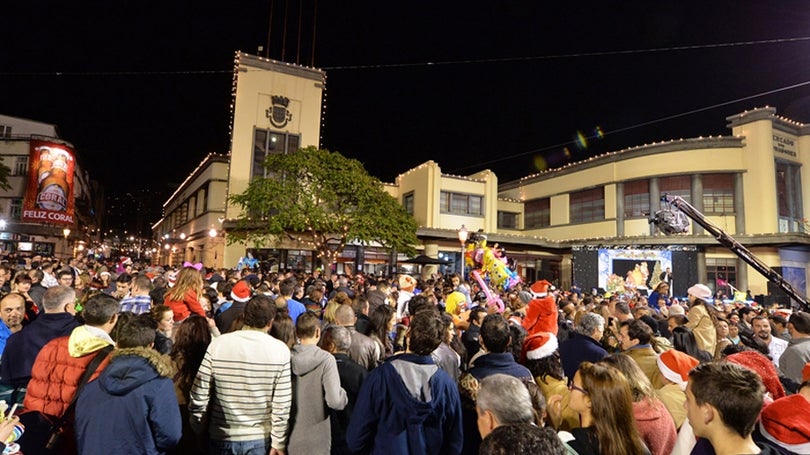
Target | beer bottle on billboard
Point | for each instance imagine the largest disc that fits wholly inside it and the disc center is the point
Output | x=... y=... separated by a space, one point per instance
x=53 y=190
x=45 y=164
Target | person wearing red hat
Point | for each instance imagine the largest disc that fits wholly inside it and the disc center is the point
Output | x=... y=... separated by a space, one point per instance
x=675 y=366
x=784 y=422
x=541 y=313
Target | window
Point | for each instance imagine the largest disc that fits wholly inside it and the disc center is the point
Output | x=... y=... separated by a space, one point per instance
x=537 y=213
x=407 y=202
x=587 y=205
x=461 y=204
x=720 y=273
x=507 y=220
x=789 y=196
x=718 y=193
x=267 y=142
x=5 y=130
x=16 y=209
x=678 y=185
x=637 y=198
x=21 y=165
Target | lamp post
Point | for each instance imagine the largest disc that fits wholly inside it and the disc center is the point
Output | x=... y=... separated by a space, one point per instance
x=462 y=237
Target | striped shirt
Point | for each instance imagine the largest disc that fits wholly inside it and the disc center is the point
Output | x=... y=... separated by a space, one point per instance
x=243 y=389
x=137 y=304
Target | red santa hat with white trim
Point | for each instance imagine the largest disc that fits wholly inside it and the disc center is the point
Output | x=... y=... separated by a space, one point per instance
x=784 y=423
x=539 y=345
x=675 y=366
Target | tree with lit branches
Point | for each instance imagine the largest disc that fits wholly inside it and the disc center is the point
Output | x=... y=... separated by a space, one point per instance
x=323 y=200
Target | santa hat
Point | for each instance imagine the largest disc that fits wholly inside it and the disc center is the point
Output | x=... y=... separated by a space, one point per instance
x=241 y=291
x=541 y=288
x=125 y=260
x=676 y=365
x=763 y=366
x=785 y=423
x=539 y=345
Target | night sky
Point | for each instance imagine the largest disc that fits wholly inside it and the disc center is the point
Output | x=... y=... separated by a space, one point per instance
x=142 y=89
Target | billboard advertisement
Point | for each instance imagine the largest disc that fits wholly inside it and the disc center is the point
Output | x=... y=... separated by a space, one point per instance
x=49 y=194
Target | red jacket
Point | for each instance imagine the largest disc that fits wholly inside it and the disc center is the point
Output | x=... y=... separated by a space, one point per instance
x=183 y=309
x=55 y=376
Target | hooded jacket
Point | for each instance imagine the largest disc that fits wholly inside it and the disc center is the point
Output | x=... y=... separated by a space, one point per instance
x=407 y=405
x=131 y=408
x=316 y=383
x=22 y=347
x=59 y=367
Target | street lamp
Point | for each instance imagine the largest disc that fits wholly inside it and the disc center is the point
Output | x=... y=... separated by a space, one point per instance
x=462 y=237
x=212 y=233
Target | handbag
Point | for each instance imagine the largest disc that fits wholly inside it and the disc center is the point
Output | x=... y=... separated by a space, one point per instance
x=43 y=432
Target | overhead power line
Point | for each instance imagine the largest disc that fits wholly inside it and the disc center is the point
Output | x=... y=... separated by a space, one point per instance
x=637 y=125
x=436 y=63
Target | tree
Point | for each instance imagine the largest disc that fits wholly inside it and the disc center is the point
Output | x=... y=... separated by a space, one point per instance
x=322 y=197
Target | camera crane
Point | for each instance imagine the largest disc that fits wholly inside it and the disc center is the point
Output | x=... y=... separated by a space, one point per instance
x=673 y=220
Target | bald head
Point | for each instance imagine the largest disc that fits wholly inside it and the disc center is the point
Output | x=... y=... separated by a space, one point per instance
x=56 y=298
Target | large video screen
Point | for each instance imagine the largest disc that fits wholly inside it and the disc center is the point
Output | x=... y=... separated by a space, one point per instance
x=627 y=270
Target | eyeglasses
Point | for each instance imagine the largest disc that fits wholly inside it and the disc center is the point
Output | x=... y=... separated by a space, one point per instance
x=572 y=387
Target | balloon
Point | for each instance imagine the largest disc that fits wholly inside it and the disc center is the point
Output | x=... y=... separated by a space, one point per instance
x=491 y=299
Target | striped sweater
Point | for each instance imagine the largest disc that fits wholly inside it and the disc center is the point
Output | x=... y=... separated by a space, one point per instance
x=242 y=390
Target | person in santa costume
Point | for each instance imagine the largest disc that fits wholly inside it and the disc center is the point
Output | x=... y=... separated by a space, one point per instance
x=541 y=313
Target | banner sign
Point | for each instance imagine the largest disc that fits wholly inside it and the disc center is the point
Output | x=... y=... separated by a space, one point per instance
x=49 y=194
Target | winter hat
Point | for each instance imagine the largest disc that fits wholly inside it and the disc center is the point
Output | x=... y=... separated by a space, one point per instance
x=676 y=309
x=702 y=292
x=676 y=365
x=525 y=297
x=539 y=345
x=241 y=291
x=785 y=423
x=541 y=288
x=763 y=366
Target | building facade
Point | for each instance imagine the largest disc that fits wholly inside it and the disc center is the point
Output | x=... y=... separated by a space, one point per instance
x=52 y=206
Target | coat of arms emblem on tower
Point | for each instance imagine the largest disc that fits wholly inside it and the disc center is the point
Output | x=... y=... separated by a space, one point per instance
x=277 y=113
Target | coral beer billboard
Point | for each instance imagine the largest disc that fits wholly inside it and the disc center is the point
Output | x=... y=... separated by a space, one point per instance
x=49 y=194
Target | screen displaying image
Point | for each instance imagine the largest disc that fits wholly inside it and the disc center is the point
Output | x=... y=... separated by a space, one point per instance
x=628 y=270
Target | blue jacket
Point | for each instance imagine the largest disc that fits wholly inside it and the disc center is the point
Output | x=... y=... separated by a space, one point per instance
x=22 y=347
x=131 y=408
x=502 y=362
x=388 y=419
x=577 y=349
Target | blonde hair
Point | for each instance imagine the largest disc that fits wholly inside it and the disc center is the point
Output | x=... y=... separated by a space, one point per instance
x=188 y=279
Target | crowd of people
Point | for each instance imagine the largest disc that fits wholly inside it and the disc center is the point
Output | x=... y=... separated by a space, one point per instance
x=141 y=359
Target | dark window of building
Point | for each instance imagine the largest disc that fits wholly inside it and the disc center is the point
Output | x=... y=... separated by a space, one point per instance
x=718 y=193
x=16 y=209
x=5 y=130
x=789 y=197
x=507 y=220
x=637 y=198
x=407 y=202
x=267 y=142
x=677 y=185
x=587 y=205
x=537 y=213
x=21 y=165
x=461 y=204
